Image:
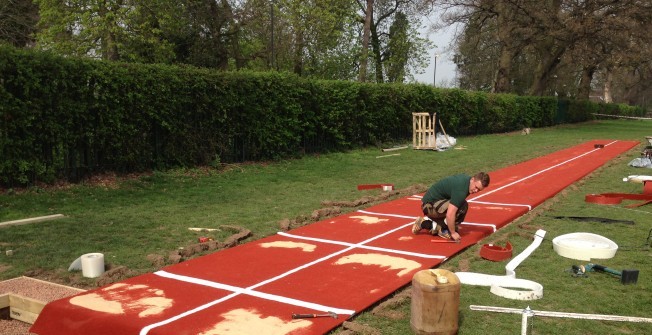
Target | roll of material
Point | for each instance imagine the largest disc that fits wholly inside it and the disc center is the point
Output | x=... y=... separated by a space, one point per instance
x=602 y=199
x=496 y=253
x=584 y=246
x=92 y=265
x=518 y=289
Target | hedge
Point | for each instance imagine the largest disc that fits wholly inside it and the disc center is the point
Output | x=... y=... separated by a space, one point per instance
x=67 y=118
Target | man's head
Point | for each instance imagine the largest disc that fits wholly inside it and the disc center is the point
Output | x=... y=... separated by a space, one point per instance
x=478 y=182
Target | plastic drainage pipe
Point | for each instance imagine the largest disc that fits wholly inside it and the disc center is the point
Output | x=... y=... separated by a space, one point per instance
x=503 y=285
x=511 y=266
x=528 y=313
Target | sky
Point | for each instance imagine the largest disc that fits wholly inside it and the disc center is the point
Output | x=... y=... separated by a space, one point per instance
x=446 y=69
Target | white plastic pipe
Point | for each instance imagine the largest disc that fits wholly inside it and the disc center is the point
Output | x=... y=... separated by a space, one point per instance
x=504 y=285
x=481 y=279
x=516 y=261
x=527 y=313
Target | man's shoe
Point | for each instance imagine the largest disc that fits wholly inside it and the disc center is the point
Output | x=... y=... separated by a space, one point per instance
x=436 y=227
x=440 y=230
x=444 y=233
x=416 y=227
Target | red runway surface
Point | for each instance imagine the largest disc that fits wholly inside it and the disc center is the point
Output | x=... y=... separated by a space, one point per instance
x=343 y=264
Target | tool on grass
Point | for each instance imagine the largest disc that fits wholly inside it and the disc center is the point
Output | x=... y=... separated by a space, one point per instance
x=629 y=276
x=442 y=240
x=384 y=187
x=309 y=316
x=594 y=219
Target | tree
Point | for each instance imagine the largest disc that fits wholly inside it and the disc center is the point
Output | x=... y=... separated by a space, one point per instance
x=569 y=44
x=398 y=49
x=312 y=38
x=197 y=32
x=94 y=28
x=208 y=31
x=376 y=40
x=366 y=33
x=18 y=20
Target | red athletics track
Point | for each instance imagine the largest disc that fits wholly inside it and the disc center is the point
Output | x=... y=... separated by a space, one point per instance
x=343 y=264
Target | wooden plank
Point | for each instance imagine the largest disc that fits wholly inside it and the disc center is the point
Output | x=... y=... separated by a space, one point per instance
x=423 y=129
x=31 y=220
x=24 y=309
x=4 y=300
x=26 y=304
x=22 y=315
x=396 y=148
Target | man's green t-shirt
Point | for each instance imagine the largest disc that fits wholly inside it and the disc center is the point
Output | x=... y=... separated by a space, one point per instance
x=455 y=188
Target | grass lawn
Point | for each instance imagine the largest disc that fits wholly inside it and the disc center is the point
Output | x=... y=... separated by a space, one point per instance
x=129 y=218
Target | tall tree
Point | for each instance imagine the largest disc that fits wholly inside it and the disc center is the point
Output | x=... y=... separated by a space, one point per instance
x=314 y=38
x=210 y=33
x=398 y=49
x=18 y=20
x=569 y=44
x=368 y=10
x=384 y=14
x=82 y=27
x=311 y=30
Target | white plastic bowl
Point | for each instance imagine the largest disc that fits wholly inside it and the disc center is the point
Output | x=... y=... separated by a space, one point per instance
x=584 y=246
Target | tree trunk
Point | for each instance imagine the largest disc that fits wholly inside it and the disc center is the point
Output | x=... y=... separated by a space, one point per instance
x=607 y=86
x=635 y=93
x=507 y=52
x=362 y=77
x=375 y=49
x=545 y=70
x=501 y=77
x=584 y=89
x=298 y=52
x=109 y=46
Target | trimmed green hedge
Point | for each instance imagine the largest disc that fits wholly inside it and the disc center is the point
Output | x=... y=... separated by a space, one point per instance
x=63 y=118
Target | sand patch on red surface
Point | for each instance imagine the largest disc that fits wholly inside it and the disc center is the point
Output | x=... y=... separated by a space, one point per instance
x=391 y=262
x=369 y=219
x=285 y=244
x=119 y=298
x=242 y=321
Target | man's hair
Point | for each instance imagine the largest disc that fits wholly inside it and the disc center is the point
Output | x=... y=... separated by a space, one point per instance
x=483 y=177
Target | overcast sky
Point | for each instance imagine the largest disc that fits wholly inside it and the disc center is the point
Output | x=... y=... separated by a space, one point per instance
x=446 y=69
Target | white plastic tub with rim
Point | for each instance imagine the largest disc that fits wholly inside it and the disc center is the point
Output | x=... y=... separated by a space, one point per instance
x=584 y=246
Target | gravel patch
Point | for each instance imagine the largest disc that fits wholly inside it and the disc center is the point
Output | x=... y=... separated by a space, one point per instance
x=34 y=289
x=14 y=327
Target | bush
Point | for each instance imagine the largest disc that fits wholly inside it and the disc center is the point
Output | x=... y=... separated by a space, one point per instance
x=65 y=118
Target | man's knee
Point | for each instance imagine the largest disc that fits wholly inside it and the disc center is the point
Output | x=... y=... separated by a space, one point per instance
x=461 y=212
x=426 y=208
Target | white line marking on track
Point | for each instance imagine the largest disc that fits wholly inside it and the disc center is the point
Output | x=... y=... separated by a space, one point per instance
x=250 y=291
x=498 y=204
x=393 y=251
x=391 y=215
x=529 y=207
x=540 y=172
x=146 y=329
x=492 y=226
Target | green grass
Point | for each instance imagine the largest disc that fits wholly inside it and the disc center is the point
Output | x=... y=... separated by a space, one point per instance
x=151 y=214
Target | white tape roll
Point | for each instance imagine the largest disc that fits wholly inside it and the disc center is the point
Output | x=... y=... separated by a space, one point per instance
x=92 y=265
x=518 y=289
